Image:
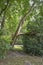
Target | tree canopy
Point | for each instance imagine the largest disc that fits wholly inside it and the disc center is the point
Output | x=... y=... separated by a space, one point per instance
x=20 y=17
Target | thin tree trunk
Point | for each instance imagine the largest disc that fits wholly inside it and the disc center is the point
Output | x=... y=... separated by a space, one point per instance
x=3 y=11
x=20 y=25
x=3 y=20
x=4 y=7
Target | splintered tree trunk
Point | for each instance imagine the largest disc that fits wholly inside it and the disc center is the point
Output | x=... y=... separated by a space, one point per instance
x=20 y=25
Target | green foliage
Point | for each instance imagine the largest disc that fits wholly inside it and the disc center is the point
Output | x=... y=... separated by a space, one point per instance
x=15 y=10
x=32 y=45
x=4 y=45
x=19 y=40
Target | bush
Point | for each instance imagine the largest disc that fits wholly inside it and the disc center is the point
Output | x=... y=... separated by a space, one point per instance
x=4 y=47
x=32 y=45
x=19 y=40
x=4 y=44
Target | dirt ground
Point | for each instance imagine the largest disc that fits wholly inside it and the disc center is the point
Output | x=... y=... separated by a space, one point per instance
x=20 y=58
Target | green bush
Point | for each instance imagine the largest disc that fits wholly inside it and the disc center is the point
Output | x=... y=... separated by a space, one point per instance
x=4 y=47
x=19 y=40
x=32 y=45
x=4 y=44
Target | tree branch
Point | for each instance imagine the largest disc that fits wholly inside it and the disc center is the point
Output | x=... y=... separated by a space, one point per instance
x=30 y=34
x=27 y=34
x=20 y=25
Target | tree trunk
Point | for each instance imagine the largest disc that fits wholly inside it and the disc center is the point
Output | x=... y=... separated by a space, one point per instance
x=20 y=25
x=3 y=11
x=4 y=7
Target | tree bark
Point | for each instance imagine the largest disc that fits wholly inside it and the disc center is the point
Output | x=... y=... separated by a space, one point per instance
x=3 y=20
x=20 y=25
x=33 y=33
x=4 y=7
x=3 y=13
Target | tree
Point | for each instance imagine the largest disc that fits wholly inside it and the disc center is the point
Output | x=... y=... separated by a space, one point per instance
x=16 y=16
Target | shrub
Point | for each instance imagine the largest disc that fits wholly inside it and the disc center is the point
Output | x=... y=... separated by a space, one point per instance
x=4 y=47
x=32 y=45
x=19 y=40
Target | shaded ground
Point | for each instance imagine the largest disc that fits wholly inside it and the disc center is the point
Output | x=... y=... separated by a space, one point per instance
x=20 y=58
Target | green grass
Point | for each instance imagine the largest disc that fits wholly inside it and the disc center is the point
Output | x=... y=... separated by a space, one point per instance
x=18 y=48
